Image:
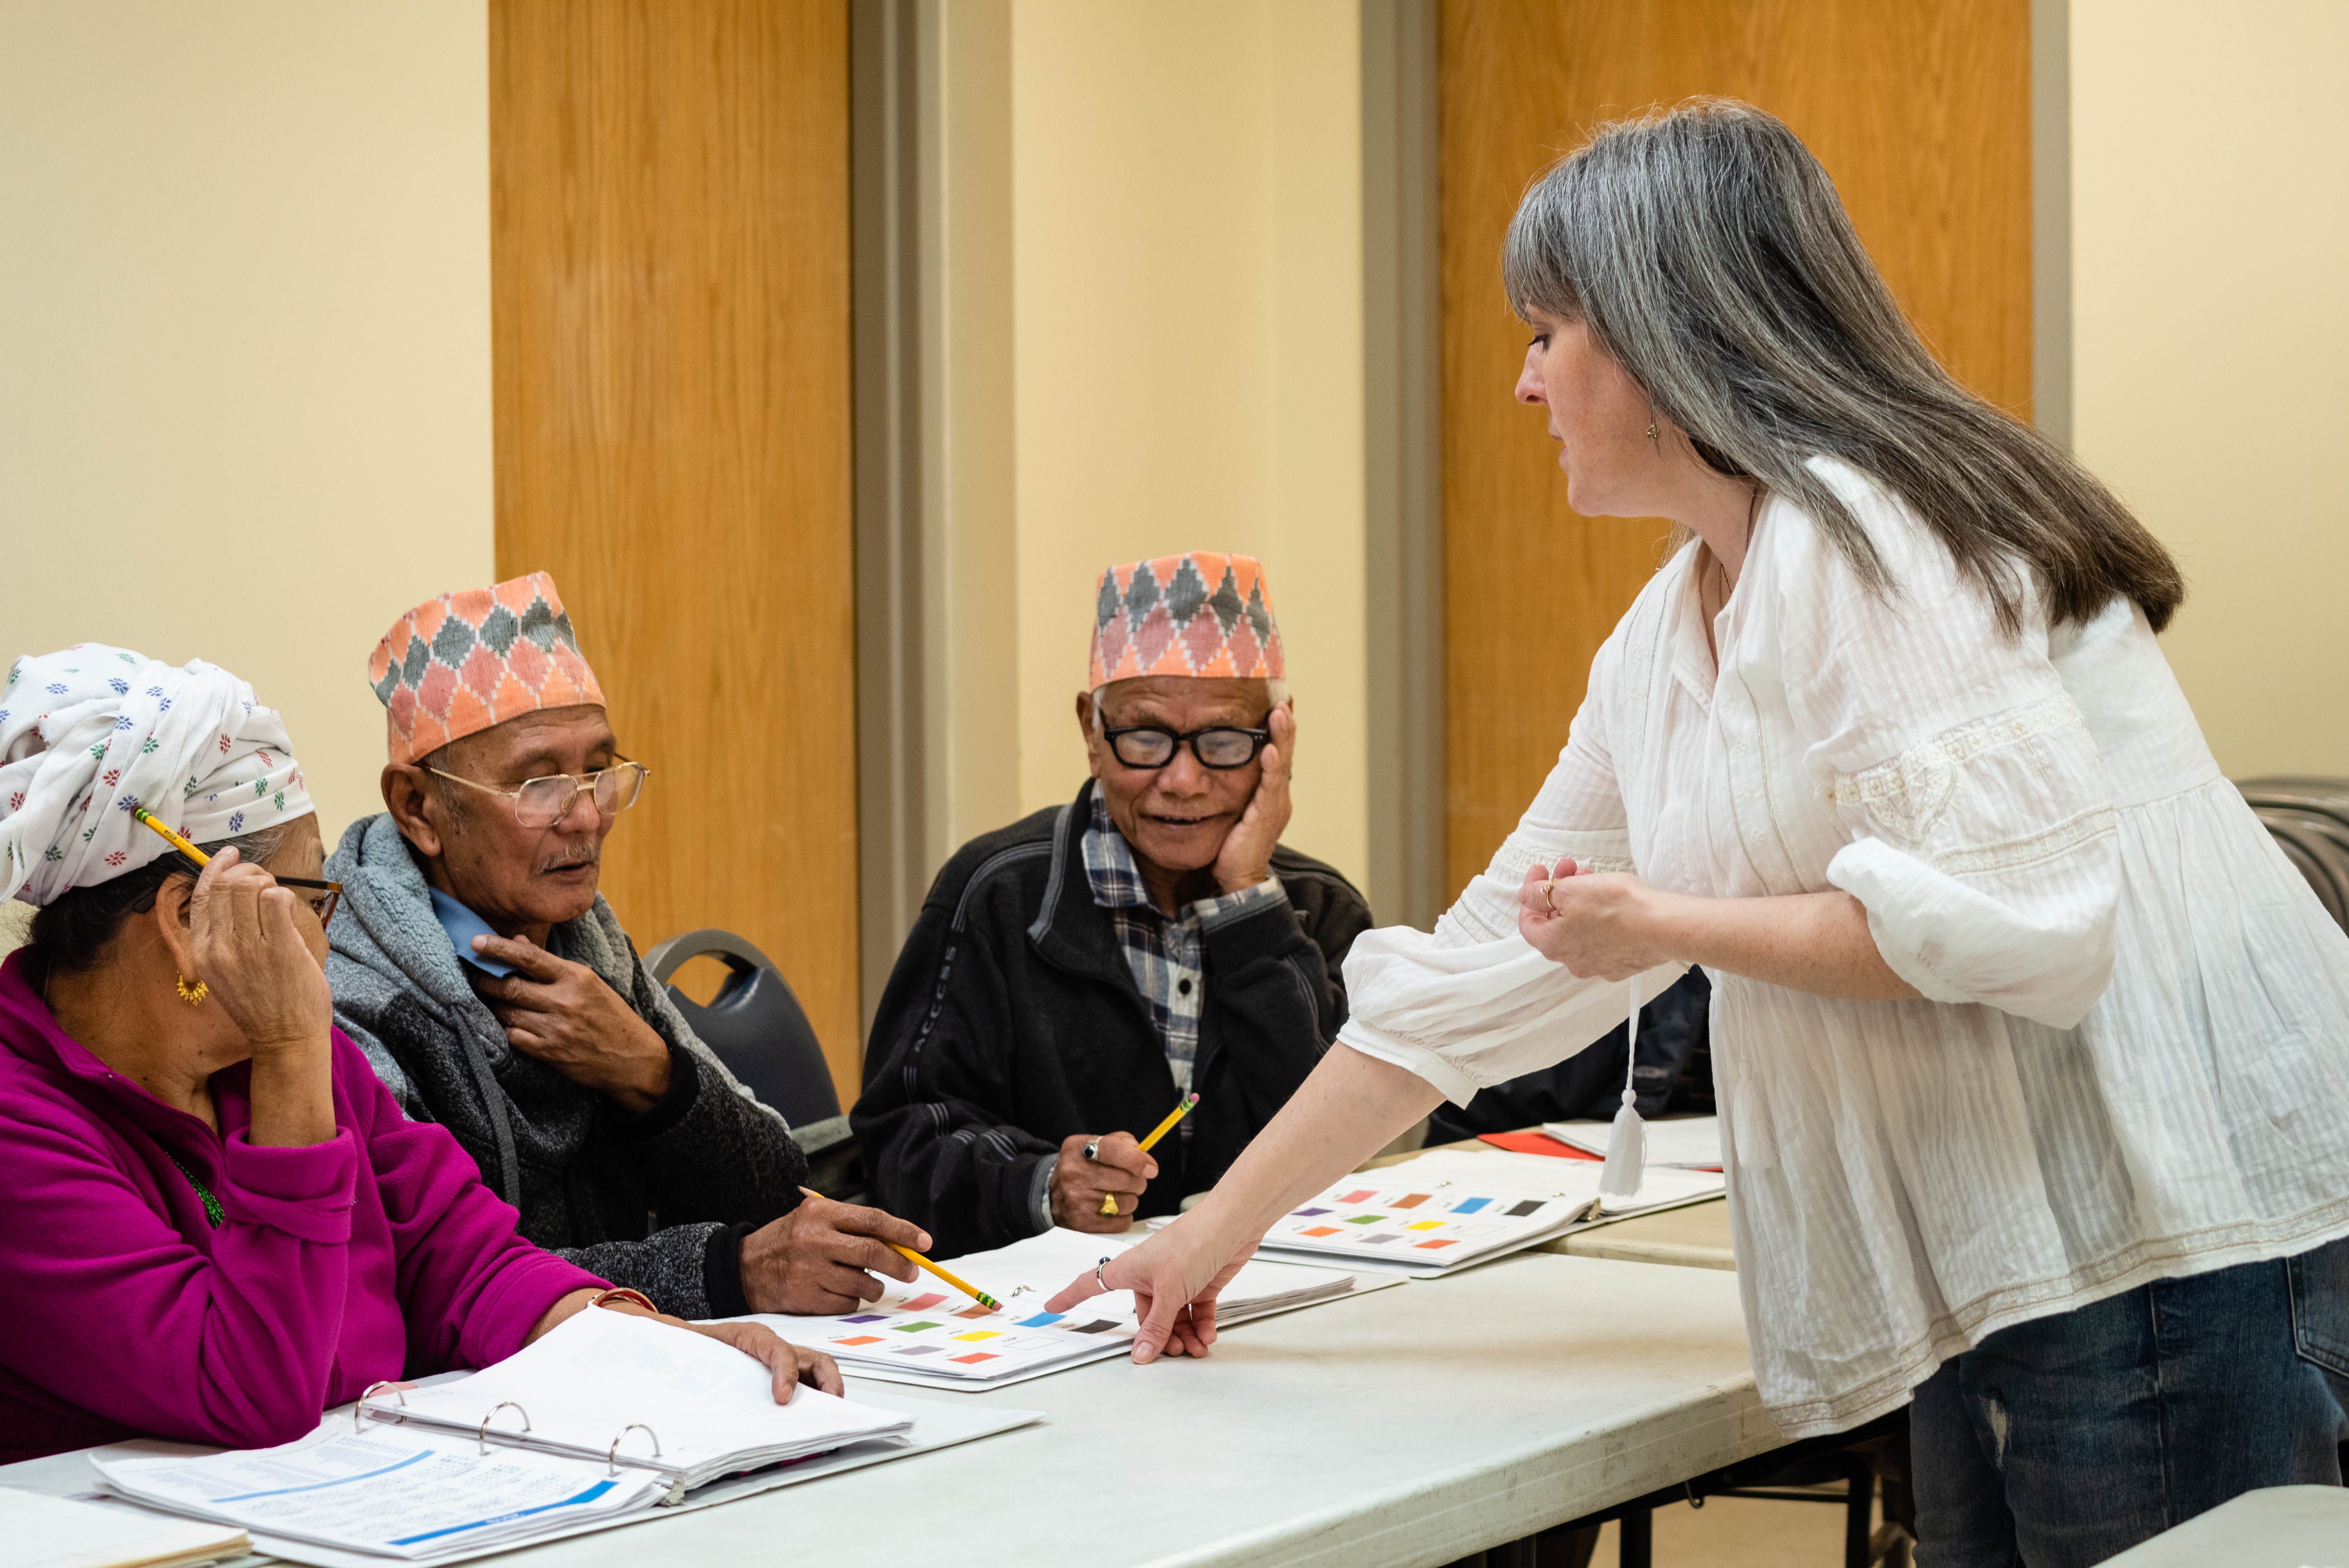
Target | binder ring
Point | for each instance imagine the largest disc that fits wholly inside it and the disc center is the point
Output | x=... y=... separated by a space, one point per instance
x=484 y=1436
x=612 y=1459
x=359 y=1409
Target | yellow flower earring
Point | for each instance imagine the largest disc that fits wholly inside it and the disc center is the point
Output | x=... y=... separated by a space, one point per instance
x=193 y=995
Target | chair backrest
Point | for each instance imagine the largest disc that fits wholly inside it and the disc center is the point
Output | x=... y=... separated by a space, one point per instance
x=2309 y=817
x=754 y=1024
x=2318 y=845
x=2327 y=798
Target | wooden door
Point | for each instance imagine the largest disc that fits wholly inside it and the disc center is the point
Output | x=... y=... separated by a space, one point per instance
x=1921 y=109
x=669 y=272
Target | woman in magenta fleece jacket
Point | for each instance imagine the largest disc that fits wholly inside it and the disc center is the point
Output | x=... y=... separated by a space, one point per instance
x=216 y=1222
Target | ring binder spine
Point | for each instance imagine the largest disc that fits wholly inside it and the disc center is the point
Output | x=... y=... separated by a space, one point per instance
x=359 y=1409
x=611 y=1457
x=484 y=1436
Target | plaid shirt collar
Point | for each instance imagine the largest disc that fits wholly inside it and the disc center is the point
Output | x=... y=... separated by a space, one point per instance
x=1110 y=867
x=1163 y=953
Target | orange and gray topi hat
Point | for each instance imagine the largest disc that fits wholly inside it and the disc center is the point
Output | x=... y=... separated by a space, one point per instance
x=1199 y=614
x=460 y=663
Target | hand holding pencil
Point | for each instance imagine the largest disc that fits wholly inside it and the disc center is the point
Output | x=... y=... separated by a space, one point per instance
x=1109 y=1200
x=1099 y=1178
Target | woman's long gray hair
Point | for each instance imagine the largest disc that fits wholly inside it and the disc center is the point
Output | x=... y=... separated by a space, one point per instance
x=1708 y=252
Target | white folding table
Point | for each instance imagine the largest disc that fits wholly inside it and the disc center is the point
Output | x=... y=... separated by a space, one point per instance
x=1409 y=1427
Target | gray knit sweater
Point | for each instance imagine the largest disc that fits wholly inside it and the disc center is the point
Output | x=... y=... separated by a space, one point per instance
x=657 y=1201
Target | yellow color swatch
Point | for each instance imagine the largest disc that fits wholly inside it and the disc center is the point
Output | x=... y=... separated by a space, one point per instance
x=1425 y=1226
x=982 y=1334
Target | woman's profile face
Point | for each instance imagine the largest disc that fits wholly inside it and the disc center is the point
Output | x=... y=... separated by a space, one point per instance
x=1597 y=415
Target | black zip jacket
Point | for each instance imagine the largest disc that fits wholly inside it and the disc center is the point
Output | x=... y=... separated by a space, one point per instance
x=1011 y=1021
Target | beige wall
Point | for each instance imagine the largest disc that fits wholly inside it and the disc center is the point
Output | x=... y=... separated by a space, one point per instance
x=1187 y=235
x=244 y=317
x=970 y=371
x=243 y=309
x=2211 y=215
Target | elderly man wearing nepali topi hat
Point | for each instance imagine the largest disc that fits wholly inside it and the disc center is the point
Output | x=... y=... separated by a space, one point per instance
x=495 y=992
x=1073 y=975
x=217 y=1223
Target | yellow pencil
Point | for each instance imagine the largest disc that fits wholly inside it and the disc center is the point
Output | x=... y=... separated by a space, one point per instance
x=1109 y=1200
x=1167 y=1126
x=141 y=814
x=915 y=1258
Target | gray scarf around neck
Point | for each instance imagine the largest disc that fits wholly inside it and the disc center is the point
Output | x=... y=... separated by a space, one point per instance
x=400 y=992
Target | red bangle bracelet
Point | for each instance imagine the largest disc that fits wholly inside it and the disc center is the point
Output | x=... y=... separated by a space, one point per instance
x=622 y=1293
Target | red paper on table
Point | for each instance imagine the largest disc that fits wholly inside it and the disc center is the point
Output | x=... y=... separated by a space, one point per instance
x=1535 y=1143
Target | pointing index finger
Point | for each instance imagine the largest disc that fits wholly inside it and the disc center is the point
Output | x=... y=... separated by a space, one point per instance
x=1084 y=1287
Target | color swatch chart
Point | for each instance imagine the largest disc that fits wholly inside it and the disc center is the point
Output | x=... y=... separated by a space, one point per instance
x=1429 y=1224
x=947 y=1335
x=1451 y=1207
x=930 y=1334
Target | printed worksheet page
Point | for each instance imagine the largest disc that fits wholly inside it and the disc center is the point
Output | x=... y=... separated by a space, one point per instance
x=400 y=1492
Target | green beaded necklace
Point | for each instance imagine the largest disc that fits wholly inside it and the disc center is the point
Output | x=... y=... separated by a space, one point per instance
x=212 y=1205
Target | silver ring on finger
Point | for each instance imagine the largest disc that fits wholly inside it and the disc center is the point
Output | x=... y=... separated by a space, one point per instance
x=1097 y=1275
x=1092 y=1151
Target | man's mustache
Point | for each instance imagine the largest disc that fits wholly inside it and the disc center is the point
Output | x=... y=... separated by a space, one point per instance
x=564 y=860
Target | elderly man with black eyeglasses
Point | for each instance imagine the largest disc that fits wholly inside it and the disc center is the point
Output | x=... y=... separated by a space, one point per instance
x=1074 y=976
x=494 y=992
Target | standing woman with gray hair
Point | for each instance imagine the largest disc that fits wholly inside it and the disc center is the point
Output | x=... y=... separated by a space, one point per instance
x=2033 y=1051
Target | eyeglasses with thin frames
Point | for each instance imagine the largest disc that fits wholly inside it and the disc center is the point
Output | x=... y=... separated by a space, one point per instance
x=543 y=802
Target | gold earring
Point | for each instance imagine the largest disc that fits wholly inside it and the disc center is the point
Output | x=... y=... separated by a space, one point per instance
x=1651 y=438
x=193 y=995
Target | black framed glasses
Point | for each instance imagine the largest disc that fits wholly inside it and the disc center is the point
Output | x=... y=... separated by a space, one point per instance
x=1221 y=746
x=320 y=897
x=543 y=802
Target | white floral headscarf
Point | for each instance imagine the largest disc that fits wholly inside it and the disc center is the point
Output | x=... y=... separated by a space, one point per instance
x=91 y=734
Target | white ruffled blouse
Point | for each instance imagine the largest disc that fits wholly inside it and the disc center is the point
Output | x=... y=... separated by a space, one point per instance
x=2134 y=1059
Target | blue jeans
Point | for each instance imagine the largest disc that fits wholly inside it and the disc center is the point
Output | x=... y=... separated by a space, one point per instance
x=2062 y=1441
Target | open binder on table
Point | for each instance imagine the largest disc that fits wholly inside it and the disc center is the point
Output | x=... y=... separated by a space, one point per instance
x=634 y=1394
x=607 y=1418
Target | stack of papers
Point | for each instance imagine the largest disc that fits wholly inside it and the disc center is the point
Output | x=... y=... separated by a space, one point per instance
x=42 y=1531
x=385 y=1492
x=1686 y=1143
x=932 y=1335
x=609 y=1386
x=1450 y=1209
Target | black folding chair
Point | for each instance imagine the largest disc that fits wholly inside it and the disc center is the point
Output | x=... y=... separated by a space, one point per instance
x=757 y=1029
x=2308 y=819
